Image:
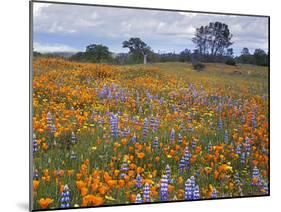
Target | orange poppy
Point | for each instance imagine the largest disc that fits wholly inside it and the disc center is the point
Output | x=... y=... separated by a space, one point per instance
x=92 y=200
x=111 y=183
x=35 y=184
x=140 y=155
x=80 y=184
x=44 y=203
x=84 y=191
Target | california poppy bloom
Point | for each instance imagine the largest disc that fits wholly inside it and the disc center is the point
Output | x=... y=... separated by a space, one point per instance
x=45 y=202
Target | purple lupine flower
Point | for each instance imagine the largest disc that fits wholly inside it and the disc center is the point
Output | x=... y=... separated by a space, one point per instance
x=226 y=137
x=264 y=151
x=168 y=173
x=182 y=128
x=180 y=138
x=137 y=99
x=133 y=139
x=126 y=132
x=219 y=124
x=243 y=158
x=243 y=120
x=35 y=175
x=164 y=188
x=197 y=173
x=156 y=124
x=100 y=121
x=124 y=168
x=191 y=189
x=49 y=120
x=103 y=93
x=155 y=143
x=172 y=136
x=152 y=122
x=193 y=184
x=138 y=199
x=73 y=138
x=214 y=193
x=139 y=181
x=73 y=156
x=35 y=145
x=53 y=129
x=161 y=100
x=145 y=128
x=193 y=143
x=237 y=179
x=146 y=193
x=175 y=109
x=256 y=179
x=182 y=165
x=254 y=122
x=196 y=192
x=188 y=193
x=65 y=197
x=187 y=156
x=210 y=147
x=114 y=125
x=189 y=119
x=148 y=96
x=126 y=118
x=248 y=145
x=140 y=109
x=238 y=149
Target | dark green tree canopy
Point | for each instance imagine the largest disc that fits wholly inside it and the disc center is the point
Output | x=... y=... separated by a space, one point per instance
x=97 y=52
x=138 y=49
x=245 y=51
x=213 y=39
x=136 y=45
x=261 y=58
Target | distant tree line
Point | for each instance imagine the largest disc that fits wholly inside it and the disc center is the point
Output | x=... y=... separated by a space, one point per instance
x=213 y=44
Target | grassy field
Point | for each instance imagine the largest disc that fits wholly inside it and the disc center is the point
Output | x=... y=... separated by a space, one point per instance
x=147 y=133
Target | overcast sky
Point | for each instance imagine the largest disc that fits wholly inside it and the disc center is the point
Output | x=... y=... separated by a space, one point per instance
x=60 y=27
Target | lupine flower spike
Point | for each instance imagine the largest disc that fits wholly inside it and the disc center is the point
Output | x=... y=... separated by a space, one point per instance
x=146 y=193
x=139 y=181
x=172 y=136
x=138 y=198
x=65 y=197
x=73 y=138
x=35 y=145
x=164 y=188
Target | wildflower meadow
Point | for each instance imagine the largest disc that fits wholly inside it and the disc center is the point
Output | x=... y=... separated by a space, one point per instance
x=129 y=134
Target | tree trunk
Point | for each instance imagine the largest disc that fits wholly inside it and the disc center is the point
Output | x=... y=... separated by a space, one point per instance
x=144 y=58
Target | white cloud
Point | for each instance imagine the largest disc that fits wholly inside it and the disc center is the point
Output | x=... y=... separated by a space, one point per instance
x=188 y=14
x=46 y=47
x=38 y=7
x=171 y=30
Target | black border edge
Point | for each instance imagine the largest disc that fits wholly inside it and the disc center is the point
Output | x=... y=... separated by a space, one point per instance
x=30 y=103
x=269 y=122
x=142 y=8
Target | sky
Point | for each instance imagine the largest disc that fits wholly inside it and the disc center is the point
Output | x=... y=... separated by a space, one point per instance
x=70 y=28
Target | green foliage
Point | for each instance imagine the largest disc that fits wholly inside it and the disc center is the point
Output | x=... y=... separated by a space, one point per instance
x=261 y=58
x=138 y=49
x=95 y=53
x=230 y=62
x=198 y=66
x=212 y=39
